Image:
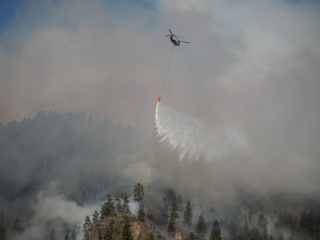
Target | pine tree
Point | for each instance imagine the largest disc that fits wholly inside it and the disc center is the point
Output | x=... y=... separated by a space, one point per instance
x=99 y=234
x=95 y=218
x=66 y=236
x=118 y=204
x=311 y=222
x=253 y=234
x=107 y=208
x=86 y=227
x=126 y=231
x=109 y=230
x=216 y=231
x=172 y=224
x=256 y=233
x=141 y=215
x=187 y=217
x=192 y=236
x=111 y=227
x=138 y=192
x=201 y=226
x=174 y=210
x=126 y=201
x=107 y=234
x=173 y=216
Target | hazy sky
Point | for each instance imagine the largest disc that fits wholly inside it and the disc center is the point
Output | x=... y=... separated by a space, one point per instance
x=251 y=63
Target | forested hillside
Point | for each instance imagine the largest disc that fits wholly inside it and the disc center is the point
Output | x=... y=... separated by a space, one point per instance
x=178 y=221
x=55 y=169
x=67 y=148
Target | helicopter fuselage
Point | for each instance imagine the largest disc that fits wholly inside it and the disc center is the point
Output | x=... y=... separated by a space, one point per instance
x=175 y=41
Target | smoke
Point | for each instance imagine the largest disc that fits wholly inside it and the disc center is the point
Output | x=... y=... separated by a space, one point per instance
x=194 y=139
x=258 y=69
x=55 y=213
x=133 y=206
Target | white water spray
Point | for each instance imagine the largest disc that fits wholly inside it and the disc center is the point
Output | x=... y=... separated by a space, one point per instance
x=194 y=139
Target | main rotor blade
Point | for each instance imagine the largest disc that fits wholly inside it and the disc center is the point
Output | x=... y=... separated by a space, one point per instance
x=170 y=31
x=179 y=36
x=184 y=42
x=167 y=35
x=176 y=36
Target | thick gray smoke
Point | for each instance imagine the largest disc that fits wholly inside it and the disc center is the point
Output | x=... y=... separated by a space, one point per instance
x=194 y=139
x=251 y=73
x=57 y=168
x=54 y=212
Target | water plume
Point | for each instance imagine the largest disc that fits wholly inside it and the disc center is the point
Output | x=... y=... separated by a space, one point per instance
x=193 y=139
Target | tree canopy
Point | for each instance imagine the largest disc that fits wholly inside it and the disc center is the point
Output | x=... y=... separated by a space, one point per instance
x=187 y=217
x=201 y=226
x=216 y=231
x=126 y=231
x=138 y=192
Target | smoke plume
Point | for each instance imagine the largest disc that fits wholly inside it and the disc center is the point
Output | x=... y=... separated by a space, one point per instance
x=251 y=73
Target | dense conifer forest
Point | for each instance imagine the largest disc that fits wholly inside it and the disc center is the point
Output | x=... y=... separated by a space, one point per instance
x=57 y=148
x=85 y=158
x=237 y=226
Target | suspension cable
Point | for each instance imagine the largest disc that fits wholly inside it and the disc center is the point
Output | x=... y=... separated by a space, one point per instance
x=166 y=71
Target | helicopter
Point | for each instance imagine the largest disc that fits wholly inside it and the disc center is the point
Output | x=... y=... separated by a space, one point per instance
x=174 y=39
